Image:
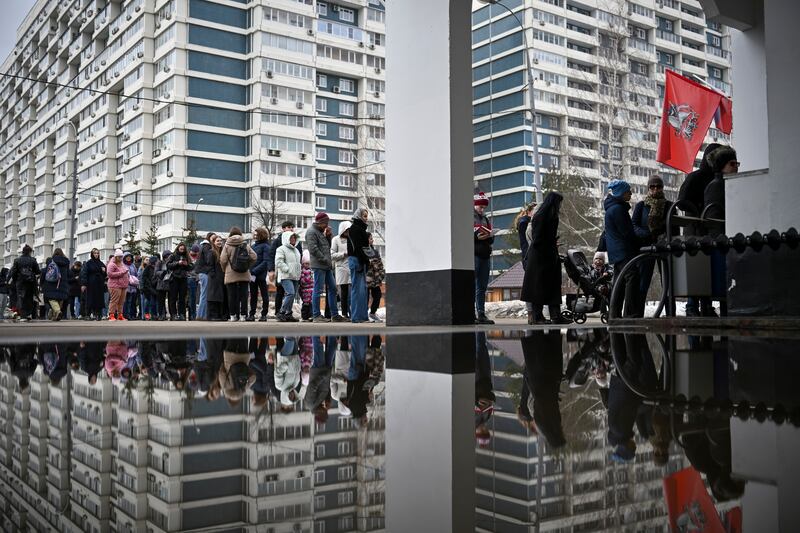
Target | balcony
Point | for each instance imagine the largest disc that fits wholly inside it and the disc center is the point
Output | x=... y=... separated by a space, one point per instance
x=718 y=52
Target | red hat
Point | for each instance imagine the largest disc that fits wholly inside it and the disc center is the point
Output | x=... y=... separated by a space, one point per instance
x=480 y=199
x=322 y=216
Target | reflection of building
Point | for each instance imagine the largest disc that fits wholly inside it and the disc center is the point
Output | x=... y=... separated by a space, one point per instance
x=582 y=489
x=80 y=457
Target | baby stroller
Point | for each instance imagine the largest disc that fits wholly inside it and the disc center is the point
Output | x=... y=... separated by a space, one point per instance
x=592 y=296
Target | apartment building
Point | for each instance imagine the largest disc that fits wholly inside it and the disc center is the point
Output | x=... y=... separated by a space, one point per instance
x=175 y=114
x=598 y=68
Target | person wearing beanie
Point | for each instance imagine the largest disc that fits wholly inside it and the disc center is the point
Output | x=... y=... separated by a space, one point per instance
x=358 y=261
x=202 y=268
x=723 y=162
x=650 y=224
x=319 y=238
x=691 y=192
x=118 y=281
x=622 y=243
x=600 y=270
x=277 y=242
x=483 y=241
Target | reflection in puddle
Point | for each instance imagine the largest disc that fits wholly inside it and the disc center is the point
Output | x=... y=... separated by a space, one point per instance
x=578 y=431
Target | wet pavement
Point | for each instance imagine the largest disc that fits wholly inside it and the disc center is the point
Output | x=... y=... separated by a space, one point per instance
x=492 y=430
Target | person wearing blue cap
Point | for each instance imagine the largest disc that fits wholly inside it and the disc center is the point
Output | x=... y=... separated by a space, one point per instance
x=622 y=243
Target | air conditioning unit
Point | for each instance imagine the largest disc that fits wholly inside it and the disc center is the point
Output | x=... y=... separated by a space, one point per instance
x=542 y=23
x=114 y=31
x=99 y=219
x=136 y=182
x=310 y=32
x=336 y=89
x=274 y=153
x=303 y=156
x=156 y=152
x=140 y=54
x=269 y=74
x=85 y=224
x=361 y=45
x=83 y=20
x=377 y=70
x=126 y=137
x=168 y=16
x=335 y=8
x=166 y=96
x=100 y=196
x=170 y=174
x=372 y=47
x=299 y=105
x=166 y=68
x=375 y=117
x=129 y=17
x=81 y=205
x=158 y=25
x=137 y=8
x=535 y=61
x=94 y=156
x=377 y=94
x=136 y=107
x=94 y=221
x=94 y=115
x=116 y=74
x=103 y=62
x=273 y=101
x=126 y=161
x=134 y=208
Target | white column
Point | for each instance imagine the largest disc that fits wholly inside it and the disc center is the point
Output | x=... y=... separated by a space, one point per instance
x=429 y=161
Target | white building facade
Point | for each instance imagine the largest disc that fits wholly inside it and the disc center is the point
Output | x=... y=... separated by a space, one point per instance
x=189 y=113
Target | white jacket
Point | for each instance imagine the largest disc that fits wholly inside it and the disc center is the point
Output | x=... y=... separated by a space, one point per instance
x=339 y=256
x=287 y=259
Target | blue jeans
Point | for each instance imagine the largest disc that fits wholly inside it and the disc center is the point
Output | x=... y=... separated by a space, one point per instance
x=142 y=304
x=129 y=308
x=481 y=284
x=358 y=290
x=323 y=357
x=192 y=297
x=323 y=277
x=202 y=309
x=150 y=306
x=289 y=290
x=76 y=307
x=358 y=357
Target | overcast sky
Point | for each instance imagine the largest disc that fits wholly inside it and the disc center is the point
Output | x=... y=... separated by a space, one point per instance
x=11 y=14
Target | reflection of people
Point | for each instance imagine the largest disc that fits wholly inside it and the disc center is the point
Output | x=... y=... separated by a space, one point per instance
x=287 y=374
x=484 y=395
x=622 y=244
x=318 y=395
x=625 y=407
x=543 y=373
x=591 y=359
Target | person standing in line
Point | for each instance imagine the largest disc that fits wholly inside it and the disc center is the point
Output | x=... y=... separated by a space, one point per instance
x=147 y=285
x=542 y=282
x=306 y=287
x=236 y=259
x=287 y=264
x=692 y=191
x=358 y=262
x=484 y=238
x=132 y=295
x=286 y=226
x=55 y=284
x=376 y=273
x=93 y=285
x=341 y=267
x=118 y=280
x=192 y=283
x=179 y=265
x=650 y=223
x=24 y=274
x=319 y=238
x=525 y=233
x=216 y=283
x=162 y=284
x=203 y=266
x=623 y=245
x=4 y=291
x=258 y=274
x=73 y=303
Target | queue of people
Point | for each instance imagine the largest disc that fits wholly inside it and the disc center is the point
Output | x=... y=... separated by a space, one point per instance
x=219 y=279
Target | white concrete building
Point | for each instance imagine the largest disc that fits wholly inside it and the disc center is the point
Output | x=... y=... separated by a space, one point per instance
x=224 y=113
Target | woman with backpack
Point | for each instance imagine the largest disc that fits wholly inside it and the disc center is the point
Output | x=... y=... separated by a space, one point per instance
x=93 y=285
x=179 y=265
x=24 y=273
x=118 y=281
x=236 y=259
x=55 y=286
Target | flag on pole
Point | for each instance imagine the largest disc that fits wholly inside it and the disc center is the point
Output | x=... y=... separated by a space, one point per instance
x=689 y=108
x=690 y=507
x=723 y=118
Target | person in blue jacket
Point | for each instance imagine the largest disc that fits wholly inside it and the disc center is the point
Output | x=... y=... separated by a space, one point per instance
x=258 y=274
x=622 y=244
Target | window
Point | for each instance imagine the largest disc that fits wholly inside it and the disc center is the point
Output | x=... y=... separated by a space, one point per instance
x=322 y=153
x=715 y=40
x=346 y=157
x=345 y=523
x=320 y=203
x=715 y=72
x=345 y=498
x=345 y=473
x=319 y=475
x=322 y=8
x=346 y=15
x=345 y=448
x=346 y=133
x=319 y=502
x=322 y=105
x=347 y=109
x=319 y=451
x=347 y=86
x=346 y=182
x=322 y=129
x=322 y=80
x=346 y=205
x=322 y=178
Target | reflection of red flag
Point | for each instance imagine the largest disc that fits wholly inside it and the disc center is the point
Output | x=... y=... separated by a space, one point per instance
x=689 y=506
x=688 y=110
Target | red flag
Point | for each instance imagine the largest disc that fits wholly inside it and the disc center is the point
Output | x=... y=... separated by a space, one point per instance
x=723 y=119
x=689 y=506
x=688 y=110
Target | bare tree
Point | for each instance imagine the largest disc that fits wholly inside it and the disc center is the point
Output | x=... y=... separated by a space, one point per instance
x=266 y=207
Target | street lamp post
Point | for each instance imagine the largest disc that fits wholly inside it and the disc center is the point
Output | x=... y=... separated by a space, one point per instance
x=73 y=226
x=537 y=174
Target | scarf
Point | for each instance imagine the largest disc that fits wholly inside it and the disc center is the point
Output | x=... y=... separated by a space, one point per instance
x=656 y=220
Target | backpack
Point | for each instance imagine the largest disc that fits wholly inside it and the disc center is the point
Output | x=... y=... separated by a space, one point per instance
x=240 y=259
x=53 y=273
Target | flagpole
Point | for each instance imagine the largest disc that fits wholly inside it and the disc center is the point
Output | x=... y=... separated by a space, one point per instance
x=695 y=77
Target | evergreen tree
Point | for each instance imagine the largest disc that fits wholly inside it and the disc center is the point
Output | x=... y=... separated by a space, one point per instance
x=151 y=241
x=132 y=244
x=190 y=235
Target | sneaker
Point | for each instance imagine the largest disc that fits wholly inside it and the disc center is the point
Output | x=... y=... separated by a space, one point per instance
x=263 y=318
x=290 y=318
x=691 y=312
x=120 y=317
x=111 y=318
x=484 y=320
x=339 y=318
x=280 y=317
x=147 y=316
x=374 y=318
x=321 y=318
x=57 y=317
x=250 y=318
x=233 y=319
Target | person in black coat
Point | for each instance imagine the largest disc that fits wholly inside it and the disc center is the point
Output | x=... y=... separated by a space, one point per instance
x=542 y=376
x=691 y=192
x=4 y=291
x=24 y=274
x=93 y=282
x=623 y=245
x=724 y=162
x=650 y=224
x=216 y=292
x=258 y=274
x=55 y=292
x=277 y=243
x=202 y=267
x=358 y=262
x=542 y=282
x=73 y=302
x=147 y=284
x=179 y=264
x=522 y=227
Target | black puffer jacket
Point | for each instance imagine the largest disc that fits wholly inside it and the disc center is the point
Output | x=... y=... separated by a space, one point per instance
x=179 y=271
x=358 y=240
x=483 y=247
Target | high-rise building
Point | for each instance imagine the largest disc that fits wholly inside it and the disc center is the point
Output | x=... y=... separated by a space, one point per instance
x=598 y=68
x=186 y=113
